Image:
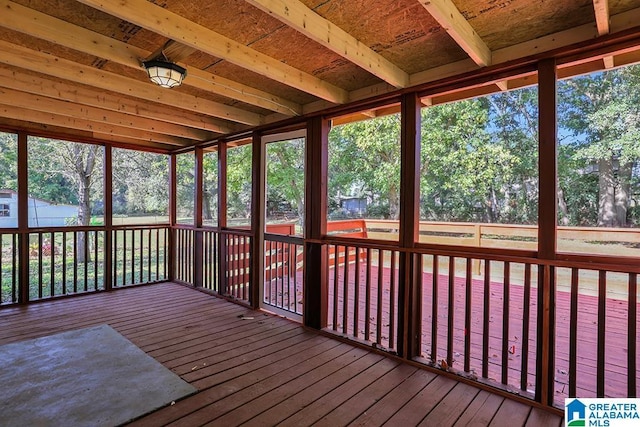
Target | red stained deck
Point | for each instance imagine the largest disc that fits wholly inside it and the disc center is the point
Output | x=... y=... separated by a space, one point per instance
x=587 y=328
x=266 y=370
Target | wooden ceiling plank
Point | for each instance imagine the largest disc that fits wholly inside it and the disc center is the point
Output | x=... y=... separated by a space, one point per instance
x=304 y=20
x=49 y=64
x=71 y=109
x=159 y=20
x=13 y=78
x=28 y=21
x=17 y=113
x=601 y=9
x=450 y=18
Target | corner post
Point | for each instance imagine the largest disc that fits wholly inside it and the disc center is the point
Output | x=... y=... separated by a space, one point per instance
x=107 y=172
x=222 y=217
x=315 y=224
x=173 y=190
x=410 y=270
x=197 y=207
x=547 y=230
x=23 y=220
x=258 y=179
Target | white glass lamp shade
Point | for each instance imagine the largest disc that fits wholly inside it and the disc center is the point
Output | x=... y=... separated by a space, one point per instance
x=165 y=74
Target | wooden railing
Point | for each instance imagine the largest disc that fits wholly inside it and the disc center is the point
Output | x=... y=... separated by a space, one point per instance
x=490 y=326
x=140 y=255
x=583 y=240
x=283 y=279
x=72 y=260
x=9 y=277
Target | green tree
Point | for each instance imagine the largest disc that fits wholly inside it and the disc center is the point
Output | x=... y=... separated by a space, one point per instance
x=602 y=112
x=67 y=171
x=364 y=161
x=285 y=174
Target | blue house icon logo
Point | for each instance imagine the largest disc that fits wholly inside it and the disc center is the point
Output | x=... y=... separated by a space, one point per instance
x=575 y=413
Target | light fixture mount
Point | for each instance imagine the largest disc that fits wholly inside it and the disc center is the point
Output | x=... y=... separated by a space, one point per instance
x=164 y=73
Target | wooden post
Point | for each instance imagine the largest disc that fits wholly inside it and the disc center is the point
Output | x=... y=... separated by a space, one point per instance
x=197 y=204
x=107 y=172
x=23 y=220
x=547 y=229
x=222 y=217
x=409 y=290
x=258 y=178
x=315 y=224
x=173 y=196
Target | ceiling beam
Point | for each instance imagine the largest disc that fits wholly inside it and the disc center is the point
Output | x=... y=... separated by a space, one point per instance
x=450 y=18
x=22 y=57
x=71 y=109
x=159 y=20
x=304 y=20
x=17 y=113
x=601 y=9
x=172 y=51
x=15 y=78
x=28 y=21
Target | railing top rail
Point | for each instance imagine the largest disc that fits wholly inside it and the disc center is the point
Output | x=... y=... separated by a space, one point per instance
x=298 y=240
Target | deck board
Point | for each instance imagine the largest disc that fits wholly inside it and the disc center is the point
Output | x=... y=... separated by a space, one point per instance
x=257 y=369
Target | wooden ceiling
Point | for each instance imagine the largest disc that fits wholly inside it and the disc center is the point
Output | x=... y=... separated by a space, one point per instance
x=73 y=67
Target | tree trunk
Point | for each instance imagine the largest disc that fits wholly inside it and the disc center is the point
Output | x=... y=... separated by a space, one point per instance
x=84 y=170
x=206 y=205
x=562 y=207
x=84 y=217
x=606 y=194
x=394 y=204
x=622 y=193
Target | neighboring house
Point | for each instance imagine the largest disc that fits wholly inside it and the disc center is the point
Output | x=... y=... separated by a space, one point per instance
x=41 y=212
x=354 y=206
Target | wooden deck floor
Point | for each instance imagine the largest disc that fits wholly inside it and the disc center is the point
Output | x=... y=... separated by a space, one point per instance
x=260 y=370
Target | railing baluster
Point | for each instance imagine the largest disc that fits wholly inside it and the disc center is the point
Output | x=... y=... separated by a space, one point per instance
x=434 y=309
x=505 y=322
x=602 y=319
x=379 y=296
x=124 y=257
x=148 y=255
x=526 y=314
x=86 y=261
x=467 y=315
x=367 y=298
x=485 y=320
x=392 y=301
x=64 y=262
x=95 y=261
x=573 y=333
x=52 y=267
x=14 y=268
x=288 y=258
x=631 y=335
x=335 y=288
x=165 y=262
x=356 y=295
x=451 y=309
x=39 y=265
x=345 y=291
x=157 y=254
x=114 y=262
